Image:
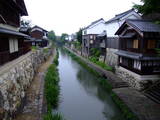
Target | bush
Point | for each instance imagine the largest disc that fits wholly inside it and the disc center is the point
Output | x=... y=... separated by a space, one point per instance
x=52 y=90
x=46 y=50
x=50 y=116
x=127 y=113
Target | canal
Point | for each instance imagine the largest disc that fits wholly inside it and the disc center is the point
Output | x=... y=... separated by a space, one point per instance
x=81 y=97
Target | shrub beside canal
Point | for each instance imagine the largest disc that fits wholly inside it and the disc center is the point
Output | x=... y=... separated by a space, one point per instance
x=52 y=90
x=127 y=113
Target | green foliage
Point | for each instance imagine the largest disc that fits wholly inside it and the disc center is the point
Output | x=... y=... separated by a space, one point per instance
x=101 y=64
x=52 y=35
x=148 y=6
x=45 y=50
x=157 y=22
x=158 y=51
x=34 y=48
x=52 y=90
x=77 y=45
x=51 y=86
x=79 y=36
x=56 y=59
x=50 y=116
x=26 y=23
x=126 y=111
x=105 y=84
x=95 y=52
x=63 y=38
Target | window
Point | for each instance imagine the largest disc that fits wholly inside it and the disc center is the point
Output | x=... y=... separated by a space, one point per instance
x=13 y=45
x=135 y=44
x=151 y=44
x=91 y=36
x=91 y=41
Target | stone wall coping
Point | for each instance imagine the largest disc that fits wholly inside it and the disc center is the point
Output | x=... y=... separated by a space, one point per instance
x=9 y=65
x=140 y=77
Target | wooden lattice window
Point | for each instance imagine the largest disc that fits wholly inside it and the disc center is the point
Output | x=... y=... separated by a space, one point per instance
x=135 y=44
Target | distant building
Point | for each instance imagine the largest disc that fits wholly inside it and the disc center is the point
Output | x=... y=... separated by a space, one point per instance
x=39 y=36
x=138 y=59
x=89 y=35
x=12 y=41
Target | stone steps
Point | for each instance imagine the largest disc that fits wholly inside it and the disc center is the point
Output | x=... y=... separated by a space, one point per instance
x=154 y=93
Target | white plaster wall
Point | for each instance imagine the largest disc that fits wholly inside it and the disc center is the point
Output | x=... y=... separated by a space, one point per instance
x=97 y=29
x=111 y=28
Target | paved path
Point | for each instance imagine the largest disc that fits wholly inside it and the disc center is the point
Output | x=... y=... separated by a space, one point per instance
x=144 y=108
x=35 y=94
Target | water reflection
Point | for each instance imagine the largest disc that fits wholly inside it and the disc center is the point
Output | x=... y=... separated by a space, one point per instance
x=81 y=96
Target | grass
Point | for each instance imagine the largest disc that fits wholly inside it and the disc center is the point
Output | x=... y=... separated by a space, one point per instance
x=52 y=90
x=101 y=64
x=46 y=50
x=127 y=113
x=105 y=84
x=34 y=48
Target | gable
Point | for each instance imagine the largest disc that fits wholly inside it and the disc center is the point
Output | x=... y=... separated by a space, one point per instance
x=131 y=15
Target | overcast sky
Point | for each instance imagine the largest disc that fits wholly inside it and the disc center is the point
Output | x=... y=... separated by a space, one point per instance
x=67 y=16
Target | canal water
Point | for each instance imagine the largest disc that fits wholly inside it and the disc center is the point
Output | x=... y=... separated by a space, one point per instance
x=81 y=97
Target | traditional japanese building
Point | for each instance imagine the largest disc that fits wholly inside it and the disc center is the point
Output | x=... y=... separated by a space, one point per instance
x=89 y=35
x=139 y=59
x=112 y=25
x=39 y=36
x=11 y=40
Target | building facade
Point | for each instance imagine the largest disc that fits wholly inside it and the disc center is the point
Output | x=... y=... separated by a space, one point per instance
x=39 y=36
x=112 y=42
x=138 y=58
x=89 y=35
x=12 y=41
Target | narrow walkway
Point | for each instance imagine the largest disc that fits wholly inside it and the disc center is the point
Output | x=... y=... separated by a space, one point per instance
x=34 y=96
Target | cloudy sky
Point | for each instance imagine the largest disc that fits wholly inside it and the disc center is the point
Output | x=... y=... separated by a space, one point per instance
x=67 y=16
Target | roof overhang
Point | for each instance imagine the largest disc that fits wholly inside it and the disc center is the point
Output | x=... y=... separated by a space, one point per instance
x=4 y=31
x=137 y=56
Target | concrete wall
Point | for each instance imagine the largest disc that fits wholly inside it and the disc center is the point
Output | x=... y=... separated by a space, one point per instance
x=15 y=78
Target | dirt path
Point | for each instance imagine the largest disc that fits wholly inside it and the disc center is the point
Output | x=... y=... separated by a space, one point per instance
x=34 y=95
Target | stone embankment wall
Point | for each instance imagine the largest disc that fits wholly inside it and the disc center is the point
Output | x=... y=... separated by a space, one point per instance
x=139 y=82
x=15 y=78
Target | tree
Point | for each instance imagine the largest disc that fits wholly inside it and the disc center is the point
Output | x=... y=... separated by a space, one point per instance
x=148 y=7
x=79 y=36
x=26 y=23
x=51 y=35
x=63 y=36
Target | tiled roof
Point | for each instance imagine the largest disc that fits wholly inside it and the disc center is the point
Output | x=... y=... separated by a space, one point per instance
x=118 y=16
x=93 y=23
x=140 y=26
x=144 y=25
